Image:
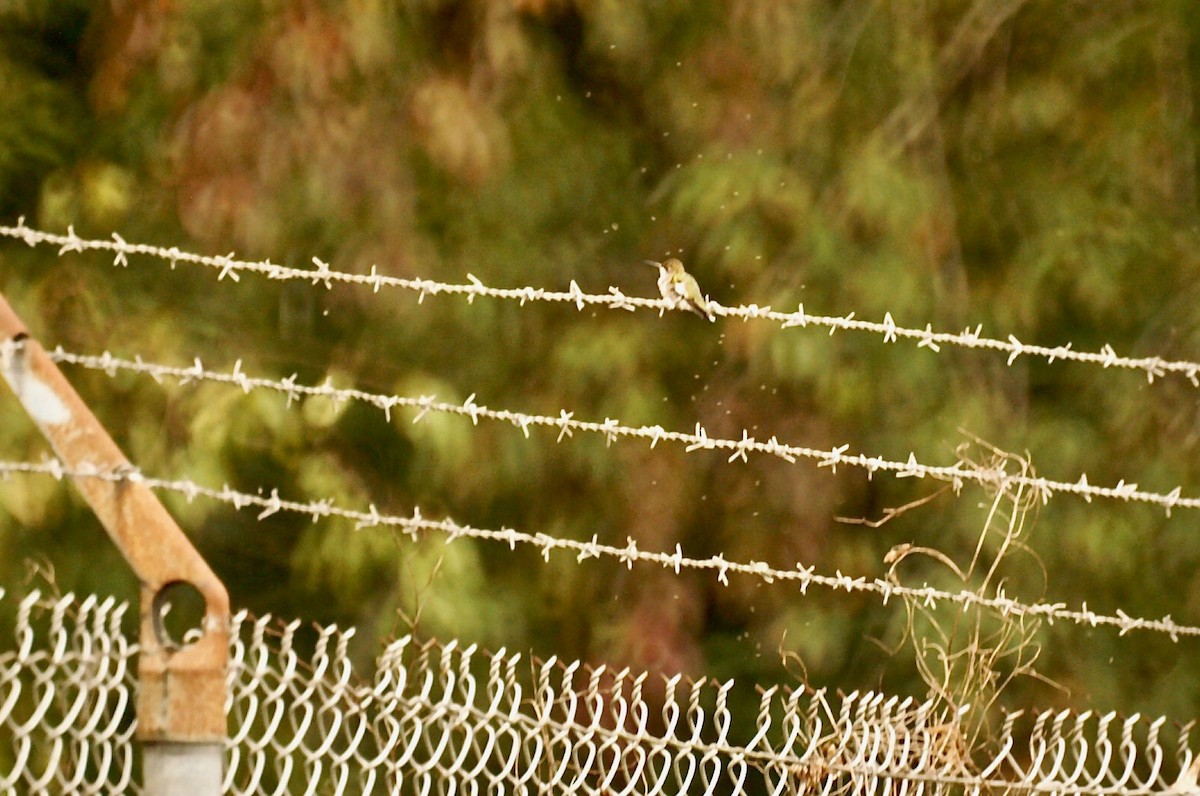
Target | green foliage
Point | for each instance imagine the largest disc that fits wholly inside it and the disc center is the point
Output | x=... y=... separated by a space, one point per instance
x=1032 y=170
x=44 y=120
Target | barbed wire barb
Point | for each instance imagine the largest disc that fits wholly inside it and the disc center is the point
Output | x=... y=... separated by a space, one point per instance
x=228 y=266
x=628 y=554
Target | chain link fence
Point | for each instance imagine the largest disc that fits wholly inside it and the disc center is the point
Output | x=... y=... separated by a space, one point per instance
x=447 y=719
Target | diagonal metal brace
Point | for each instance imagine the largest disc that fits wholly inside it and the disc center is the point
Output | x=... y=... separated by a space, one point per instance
x=181 y=694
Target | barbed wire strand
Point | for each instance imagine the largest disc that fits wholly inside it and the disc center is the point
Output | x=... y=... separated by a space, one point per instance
x=957 y=474
x=628 y=554
x=229 y=266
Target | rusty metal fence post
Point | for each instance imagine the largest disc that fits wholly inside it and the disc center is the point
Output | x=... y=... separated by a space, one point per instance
x=181 y=689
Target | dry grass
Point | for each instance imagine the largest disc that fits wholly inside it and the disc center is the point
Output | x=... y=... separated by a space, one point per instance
x=966 y=655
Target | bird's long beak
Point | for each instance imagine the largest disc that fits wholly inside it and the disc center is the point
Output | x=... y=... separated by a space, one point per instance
x=652 y=262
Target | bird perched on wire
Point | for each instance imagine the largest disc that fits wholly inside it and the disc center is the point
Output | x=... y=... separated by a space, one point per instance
x=680 y=288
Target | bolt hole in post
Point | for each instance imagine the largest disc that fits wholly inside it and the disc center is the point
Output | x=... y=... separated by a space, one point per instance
x=180 y=768
x=179 y=609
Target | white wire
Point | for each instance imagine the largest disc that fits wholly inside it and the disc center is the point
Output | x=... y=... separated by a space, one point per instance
x=957 y=474
x=628 y=554
x=228 y=266
x=437 y=709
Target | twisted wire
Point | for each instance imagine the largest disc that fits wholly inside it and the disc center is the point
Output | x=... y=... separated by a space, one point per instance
x=450 y=718
x=958 y=474
x=67 y=682
x=228 y=266
x=627 y=554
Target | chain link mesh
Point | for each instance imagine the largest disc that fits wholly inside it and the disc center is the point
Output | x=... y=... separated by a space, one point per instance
x=449 y=719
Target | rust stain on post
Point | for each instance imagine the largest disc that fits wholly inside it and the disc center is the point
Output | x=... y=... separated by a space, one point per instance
x=181 y=695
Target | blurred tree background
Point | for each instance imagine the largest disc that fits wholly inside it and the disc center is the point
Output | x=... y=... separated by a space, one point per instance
x=1025 y=165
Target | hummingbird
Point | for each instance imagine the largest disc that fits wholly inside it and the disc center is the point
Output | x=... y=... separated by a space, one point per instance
x=680 y=288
